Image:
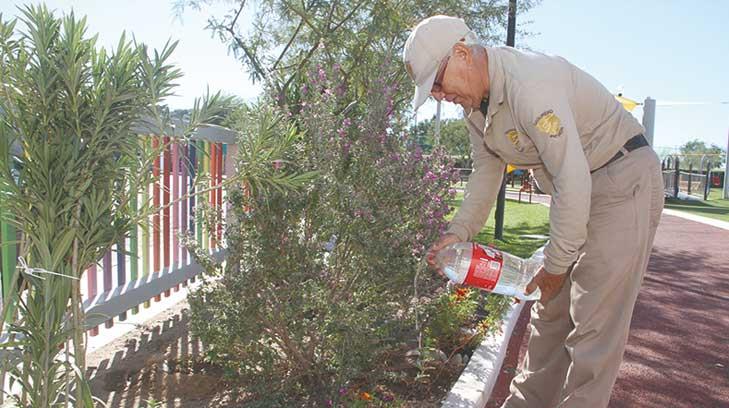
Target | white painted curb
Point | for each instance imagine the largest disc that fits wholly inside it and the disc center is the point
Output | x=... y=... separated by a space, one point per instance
x=475 y=384
x=697 y=218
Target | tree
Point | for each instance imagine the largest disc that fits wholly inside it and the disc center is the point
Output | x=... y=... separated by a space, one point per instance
x=695 y=149
x=453 y=137
x=71 y=194
x=286 y=38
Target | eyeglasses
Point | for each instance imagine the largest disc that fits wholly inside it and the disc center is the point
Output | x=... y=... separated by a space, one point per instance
x=438 y=83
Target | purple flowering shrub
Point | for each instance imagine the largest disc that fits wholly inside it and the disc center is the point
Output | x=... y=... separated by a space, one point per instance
x=318 y=281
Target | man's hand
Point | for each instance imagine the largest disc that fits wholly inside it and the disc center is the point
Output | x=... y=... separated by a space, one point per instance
x=549 y=284
x=441 y=243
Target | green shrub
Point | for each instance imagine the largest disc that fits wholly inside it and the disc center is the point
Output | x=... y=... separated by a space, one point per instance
x=318 y=280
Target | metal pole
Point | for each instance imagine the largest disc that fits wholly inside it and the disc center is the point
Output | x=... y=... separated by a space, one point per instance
x=436 y=141
x=707 y=184
x=677 y=177
x=501 y=200
x=691 y=168
x=726 y=171
x=511 y=25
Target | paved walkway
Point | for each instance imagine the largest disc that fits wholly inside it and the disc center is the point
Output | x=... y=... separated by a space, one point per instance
x=678 y=351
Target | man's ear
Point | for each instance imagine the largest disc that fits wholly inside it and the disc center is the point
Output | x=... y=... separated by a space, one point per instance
x=463 y=52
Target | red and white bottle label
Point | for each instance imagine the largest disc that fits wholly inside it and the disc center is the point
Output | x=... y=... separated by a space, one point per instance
x=485 y=268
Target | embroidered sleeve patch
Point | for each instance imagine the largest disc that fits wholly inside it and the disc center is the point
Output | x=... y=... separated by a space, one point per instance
x=549 y=123
x=513 y=136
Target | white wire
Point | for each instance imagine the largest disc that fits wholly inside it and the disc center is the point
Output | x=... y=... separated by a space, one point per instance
x=34 y=271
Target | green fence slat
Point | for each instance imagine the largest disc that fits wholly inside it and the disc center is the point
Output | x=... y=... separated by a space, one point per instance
x=9 y=253
x=8 y=249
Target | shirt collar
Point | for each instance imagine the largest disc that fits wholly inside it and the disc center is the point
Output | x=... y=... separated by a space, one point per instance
x=496 y=81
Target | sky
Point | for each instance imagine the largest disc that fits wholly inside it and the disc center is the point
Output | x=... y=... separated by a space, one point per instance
x=676 y=52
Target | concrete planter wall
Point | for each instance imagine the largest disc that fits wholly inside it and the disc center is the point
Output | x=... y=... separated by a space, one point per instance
x=475 y=384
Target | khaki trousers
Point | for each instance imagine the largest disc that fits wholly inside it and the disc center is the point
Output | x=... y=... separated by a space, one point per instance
x=578 y=338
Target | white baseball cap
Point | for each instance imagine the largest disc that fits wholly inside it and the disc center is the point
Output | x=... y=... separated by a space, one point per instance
x=428 y=44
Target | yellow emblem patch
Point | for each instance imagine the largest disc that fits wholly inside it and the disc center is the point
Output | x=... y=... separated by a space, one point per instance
x=549 y=123
x=513 y=136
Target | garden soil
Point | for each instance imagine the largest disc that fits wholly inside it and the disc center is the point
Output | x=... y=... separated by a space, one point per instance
x=157 y=361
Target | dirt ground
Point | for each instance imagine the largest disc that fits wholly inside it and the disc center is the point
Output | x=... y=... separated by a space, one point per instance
x=157 y=363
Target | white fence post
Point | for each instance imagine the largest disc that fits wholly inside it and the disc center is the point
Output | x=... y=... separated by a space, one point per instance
x=649 y=118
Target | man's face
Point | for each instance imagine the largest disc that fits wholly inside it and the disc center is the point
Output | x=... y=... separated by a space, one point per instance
x=455 y=80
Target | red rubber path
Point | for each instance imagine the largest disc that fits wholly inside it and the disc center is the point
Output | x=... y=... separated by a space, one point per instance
x=678 y=350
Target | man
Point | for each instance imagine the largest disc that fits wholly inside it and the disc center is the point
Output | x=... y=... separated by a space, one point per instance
x=543 y=113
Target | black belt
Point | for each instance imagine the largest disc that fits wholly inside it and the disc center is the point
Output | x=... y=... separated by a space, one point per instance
x=633 y=143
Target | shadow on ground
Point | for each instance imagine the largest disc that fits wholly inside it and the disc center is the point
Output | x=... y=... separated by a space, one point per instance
x=160 y=363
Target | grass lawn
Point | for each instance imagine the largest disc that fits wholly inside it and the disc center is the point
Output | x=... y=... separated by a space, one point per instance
x=519 y=219
x=715 y=207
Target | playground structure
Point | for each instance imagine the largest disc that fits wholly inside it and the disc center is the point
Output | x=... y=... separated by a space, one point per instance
x=680 y=178
x=516 y=178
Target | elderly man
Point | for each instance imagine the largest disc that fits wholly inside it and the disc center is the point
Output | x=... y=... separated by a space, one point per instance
x=543 y=113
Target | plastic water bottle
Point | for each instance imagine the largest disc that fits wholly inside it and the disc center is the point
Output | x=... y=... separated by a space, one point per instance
x=487 y=268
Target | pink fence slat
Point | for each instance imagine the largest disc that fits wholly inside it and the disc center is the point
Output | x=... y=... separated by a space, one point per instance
x=186 y=202
x=121 y=270
x=167 y=167
x=175 y=206
x=92 y=292
x=212 y=195
x=156 y=244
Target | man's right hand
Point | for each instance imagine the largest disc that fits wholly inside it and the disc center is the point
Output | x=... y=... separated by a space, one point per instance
x=441 y=243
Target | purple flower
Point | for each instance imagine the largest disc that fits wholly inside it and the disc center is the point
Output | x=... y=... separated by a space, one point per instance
x=418 y=153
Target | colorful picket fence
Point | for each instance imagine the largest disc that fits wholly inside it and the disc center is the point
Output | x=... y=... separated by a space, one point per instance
x=151 y=262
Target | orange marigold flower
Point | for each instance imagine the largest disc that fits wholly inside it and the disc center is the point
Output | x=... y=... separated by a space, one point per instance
x=461 y=293
x=365 y=396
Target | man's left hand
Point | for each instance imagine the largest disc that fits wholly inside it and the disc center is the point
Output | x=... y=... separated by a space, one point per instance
x=549 y=284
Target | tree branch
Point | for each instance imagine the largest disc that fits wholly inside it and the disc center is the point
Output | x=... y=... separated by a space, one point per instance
x=304 y=18
x=349 y=15
x=288 y=45
x=249 y=54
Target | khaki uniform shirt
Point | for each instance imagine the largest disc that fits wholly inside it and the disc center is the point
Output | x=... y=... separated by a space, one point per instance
x=548 y=115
